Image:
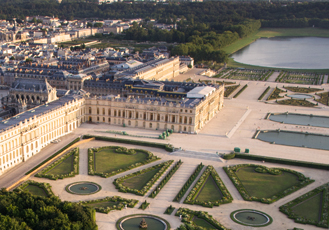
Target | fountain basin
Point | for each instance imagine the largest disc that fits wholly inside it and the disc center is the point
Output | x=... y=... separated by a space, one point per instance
x=83 y=188
x=133 y=222
x=250 y=217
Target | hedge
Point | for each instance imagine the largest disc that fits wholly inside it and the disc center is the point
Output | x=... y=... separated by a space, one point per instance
x=166 y=147
x=210 y=171
x=169 y=210
x=74 y=171
x=54 y=155
x=229 y=156
x=118 y=182
x=264 y=93
x=131 y=203
x=282 y=161
x=45 y=186
x=166 y=179
x=323 y=222
x=240 y=91
x=187 y=219
x=189 y=182
x=230 y=171
x=144 y=205
x=91 y=160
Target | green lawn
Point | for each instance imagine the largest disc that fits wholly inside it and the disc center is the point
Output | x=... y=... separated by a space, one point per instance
x=309 y=209
x=63 y=168
x=265 y=185
x=107 y=160
x=210 y=191
x=35 y=190
x=202 y=223
x=104 y=204
x=324 y=98
x=139 y=181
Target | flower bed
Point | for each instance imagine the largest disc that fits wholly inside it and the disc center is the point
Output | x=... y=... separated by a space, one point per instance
x=45 y=186
x=275 y=94
x=231 y=172
x=122 y=202
x=302 y=89
x=187 y=218
x=229 y=90
x=75 y=167
x=323 y=222
x=118 y=182
x=189 y=183
x=192 y=197
x=166 y=179
x=296 y=102
x=91 y=160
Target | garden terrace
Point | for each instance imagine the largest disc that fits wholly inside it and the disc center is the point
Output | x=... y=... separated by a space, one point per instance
x=324 y=98
x=230 y=89
x=300 y=78
x=209 y=190
x=249 y=74
x=140 y=182
x=110 y=203
x=275 y=94
x=111 y=160
x=36 y=188
x=66 y=166
x=296 y=102
x=302 y=89
x=309 y=208
x=267 y=185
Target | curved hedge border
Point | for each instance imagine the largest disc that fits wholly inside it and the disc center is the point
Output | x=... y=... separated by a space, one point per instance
x=118 y=182
x=146 y=215
x=75 y=167
x=251 y=225
x=86 y=194
x=129 y=202
x=187 y=219
x=287 y=208
x=166 y=147
x=188 y=183
x=55 y=154
x=45 y=186
x=230 y=171
x=264 y=93
x=166 y=179
x=91 y=160
x=191 y=198
x=240 y=91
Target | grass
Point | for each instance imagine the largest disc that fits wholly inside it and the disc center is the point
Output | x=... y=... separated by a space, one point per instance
x=310 y=208
x=35 y=190
x=275 y=32
x=103 y=204
x=63 y=168
x=296 y=102
x=324 y=98
x=139 y=181
x=107 y=160
x=202 y=223
x=210 y=191
x=302 y=89
x=265 y=185
x=229 y=90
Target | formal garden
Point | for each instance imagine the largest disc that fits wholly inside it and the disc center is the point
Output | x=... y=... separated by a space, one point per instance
x=324 y=98
x=247 y=74
x=140 y=182
x=230 y=89
x=309 y=208
x=266 y=185
x=302 y=89
x=300 y=78
x=209 y=191
x=36 y=188
x=275 y=94
x=111 y=160
x=66 y=166
x=108 y=204
x=296 y=102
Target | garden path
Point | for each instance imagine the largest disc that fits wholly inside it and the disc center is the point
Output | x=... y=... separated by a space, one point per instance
x=273 y=76
x=83 y=161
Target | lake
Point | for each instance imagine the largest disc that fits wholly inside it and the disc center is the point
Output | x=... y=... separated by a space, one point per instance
x=286 y=52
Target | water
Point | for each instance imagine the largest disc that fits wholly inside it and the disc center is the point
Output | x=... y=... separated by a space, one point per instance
x=300 y=119
x=309 y=140
x=83 y=188
x=286 y=52
x=258 y=218
x=152 y=224
x=300 y=96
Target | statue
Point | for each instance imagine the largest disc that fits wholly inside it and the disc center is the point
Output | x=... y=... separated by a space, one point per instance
x=143 y=224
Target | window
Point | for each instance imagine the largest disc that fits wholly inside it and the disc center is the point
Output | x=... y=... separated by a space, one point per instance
x=109 y=120
x=97 y=118
x=109 y=112
x=103 y=111
x=89 y=110
x=97 y=110
x=150 y=125
x=103 y=119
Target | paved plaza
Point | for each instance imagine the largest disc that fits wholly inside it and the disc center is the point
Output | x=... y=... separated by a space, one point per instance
x=196 y=148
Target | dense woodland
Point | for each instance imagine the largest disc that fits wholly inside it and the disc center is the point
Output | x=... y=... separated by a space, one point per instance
x=202 y=28
x=21 y=210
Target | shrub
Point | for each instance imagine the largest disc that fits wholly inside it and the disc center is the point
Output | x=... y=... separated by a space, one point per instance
x=229 y=156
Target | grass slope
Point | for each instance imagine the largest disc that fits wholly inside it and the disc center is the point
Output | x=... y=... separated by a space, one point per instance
x=309 y=209
x=108 y=160
x=263 y=184
x=139 y=181
x=210 y=191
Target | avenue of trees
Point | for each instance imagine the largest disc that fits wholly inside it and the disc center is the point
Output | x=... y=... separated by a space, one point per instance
x=21 y=210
